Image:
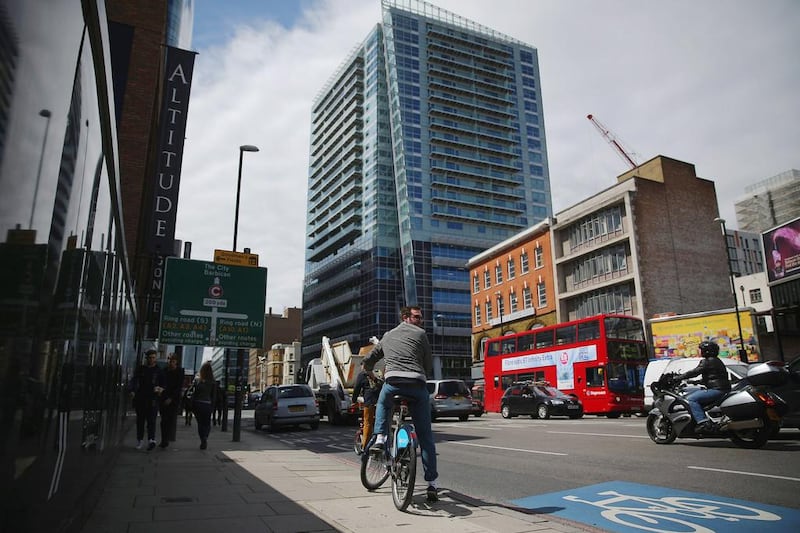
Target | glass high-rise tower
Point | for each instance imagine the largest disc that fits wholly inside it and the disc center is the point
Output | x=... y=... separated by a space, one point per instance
x=427 y=147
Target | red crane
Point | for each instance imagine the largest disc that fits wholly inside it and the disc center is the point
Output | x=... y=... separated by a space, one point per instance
x=613 y=141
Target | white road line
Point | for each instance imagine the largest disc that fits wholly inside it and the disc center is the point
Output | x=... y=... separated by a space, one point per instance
x=599 y=434
x=503 y=448
x=743 y=473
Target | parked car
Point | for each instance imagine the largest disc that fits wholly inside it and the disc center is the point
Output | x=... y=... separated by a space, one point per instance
x=286 y=405
x=539 y=400
x=736 y=371
x=449 y=397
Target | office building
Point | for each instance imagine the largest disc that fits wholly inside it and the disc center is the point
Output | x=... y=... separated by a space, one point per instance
x=427 y=147
x=769 y=202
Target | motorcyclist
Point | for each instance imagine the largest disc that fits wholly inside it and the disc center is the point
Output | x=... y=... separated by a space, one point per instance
x=714 y=377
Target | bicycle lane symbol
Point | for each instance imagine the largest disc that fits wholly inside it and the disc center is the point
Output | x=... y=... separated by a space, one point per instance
x=629 y=507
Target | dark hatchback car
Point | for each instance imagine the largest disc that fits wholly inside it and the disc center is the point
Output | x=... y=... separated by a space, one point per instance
x=539 y=400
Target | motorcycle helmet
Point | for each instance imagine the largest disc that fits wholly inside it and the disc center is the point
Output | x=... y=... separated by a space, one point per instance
x=709 y=349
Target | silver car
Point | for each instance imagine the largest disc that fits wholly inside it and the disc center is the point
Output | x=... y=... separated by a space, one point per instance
x=449 y=397
x=287 y=405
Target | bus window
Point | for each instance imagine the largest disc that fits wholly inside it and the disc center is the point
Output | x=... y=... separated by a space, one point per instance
x=535 y=376
x=594 y=377
x=622 y=379
x=507 y=382
x=525 y=342
x=589 y=331
x=544 y=339
x=565 y=335
x=624 y=328
x=493 y=348
x=626 y=351
x=509 y=345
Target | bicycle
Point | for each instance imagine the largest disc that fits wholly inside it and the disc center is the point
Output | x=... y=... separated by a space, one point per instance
x=398 y=460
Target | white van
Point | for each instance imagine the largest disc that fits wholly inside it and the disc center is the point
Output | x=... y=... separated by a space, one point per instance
x=736 y=371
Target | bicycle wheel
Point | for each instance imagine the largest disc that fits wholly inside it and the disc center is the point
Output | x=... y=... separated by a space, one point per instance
x=357 y=445
x=404 y=473
x=374 y=470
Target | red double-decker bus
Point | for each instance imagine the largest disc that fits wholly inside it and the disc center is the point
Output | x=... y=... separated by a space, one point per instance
x=601 y=359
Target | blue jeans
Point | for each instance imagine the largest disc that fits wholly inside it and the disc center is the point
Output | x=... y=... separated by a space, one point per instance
x=421 y=414
x=698 y=399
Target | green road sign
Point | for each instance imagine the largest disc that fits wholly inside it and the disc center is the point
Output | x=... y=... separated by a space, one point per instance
x=211 y=304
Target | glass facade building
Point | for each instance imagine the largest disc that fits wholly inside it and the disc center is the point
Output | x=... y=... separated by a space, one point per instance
x=68 y=346
x=427 y=147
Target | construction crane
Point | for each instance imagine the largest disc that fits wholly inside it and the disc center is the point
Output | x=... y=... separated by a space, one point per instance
x=613 y=141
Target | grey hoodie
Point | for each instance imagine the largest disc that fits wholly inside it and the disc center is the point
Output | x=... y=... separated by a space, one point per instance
x=407 y=352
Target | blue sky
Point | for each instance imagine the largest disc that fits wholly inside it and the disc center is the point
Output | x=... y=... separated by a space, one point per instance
x=714 y=83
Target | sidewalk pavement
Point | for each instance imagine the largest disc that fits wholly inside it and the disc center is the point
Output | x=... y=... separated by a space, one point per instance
x=263 y=485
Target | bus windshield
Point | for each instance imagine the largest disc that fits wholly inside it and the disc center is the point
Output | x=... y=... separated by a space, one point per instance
x=624 y=328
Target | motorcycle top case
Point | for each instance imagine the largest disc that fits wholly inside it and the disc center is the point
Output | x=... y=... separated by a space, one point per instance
x=761 y=374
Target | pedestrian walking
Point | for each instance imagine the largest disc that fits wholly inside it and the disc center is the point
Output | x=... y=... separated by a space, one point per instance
x=220 y=401
x=205 y=392
x=146 y=386
x=170 y=400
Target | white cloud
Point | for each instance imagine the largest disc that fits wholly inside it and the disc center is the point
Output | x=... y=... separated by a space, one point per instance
x=713 y=83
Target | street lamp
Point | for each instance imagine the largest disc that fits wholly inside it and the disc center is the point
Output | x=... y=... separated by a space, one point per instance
x=46 y=114
x=237 y=402
x=242 y=149
x=742 y=351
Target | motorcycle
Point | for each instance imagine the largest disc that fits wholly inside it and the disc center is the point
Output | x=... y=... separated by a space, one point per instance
x=748 y=415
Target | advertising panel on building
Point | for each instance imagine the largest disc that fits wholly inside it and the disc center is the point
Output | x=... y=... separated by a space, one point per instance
x=782 y=251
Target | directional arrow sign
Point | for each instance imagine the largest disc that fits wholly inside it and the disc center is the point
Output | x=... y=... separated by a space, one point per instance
x=211 y=304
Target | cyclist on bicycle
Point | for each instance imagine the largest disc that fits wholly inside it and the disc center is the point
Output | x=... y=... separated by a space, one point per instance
x=408 y=363
x=369 y=387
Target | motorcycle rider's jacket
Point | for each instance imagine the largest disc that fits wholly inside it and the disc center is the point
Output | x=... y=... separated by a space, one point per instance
x=714 y=374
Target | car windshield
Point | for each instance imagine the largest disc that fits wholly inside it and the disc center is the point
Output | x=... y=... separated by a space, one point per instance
x=551 y=392
x=294 y=392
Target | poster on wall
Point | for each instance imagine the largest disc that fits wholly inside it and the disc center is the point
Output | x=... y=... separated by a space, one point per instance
x=782 y=251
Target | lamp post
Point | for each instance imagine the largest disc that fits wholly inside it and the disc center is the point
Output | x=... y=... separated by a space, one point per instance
x=242 y=149
x=237 y=397
x=46 y=114
x=742 y=351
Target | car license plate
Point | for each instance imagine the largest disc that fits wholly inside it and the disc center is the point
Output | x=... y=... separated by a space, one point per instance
x=297 y=408
x=572 y=407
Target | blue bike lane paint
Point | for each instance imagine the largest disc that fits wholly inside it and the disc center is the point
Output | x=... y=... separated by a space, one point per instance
x=623 y=507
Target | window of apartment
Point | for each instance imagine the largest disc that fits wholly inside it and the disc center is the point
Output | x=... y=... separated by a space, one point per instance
x=539 y=257
x=477 y=314
x=476 y=286
x=755 y=296
x=527 y=300
x=488 y=311
x=511 y=269
x=498 y=274
x=523 y=262
x=542 y=294
x=512 y=299
x=487 y=279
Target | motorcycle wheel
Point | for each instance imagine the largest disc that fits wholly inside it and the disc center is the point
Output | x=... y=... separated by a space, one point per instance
x=753 y=438
x=660 y=429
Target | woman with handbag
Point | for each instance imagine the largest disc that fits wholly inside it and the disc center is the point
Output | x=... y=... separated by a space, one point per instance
x=205 y=389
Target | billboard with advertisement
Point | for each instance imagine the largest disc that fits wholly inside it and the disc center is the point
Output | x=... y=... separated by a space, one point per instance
x=680 y=335
x=782 y=251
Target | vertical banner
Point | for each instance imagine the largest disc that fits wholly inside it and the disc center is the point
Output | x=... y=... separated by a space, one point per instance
x=179 y=65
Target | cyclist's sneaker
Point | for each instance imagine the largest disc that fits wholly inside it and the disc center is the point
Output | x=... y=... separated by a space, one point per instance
x=380 y=443
x=432 y=494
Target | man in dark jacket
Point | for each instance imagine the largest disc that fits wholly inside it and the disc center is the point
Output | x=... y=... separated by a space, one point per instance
x=170 y=400
x=147 y=384
x=369 y=388
x=714 y=377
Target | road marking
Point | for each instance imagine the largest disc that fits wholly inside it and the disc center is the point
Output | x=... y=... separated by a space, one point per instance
x=743 y=473
x=504 y=448
x=599 y=434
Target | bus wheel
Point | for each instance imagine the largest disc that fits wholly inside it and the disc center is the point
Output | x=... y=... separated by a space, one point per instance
x=505 y=411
